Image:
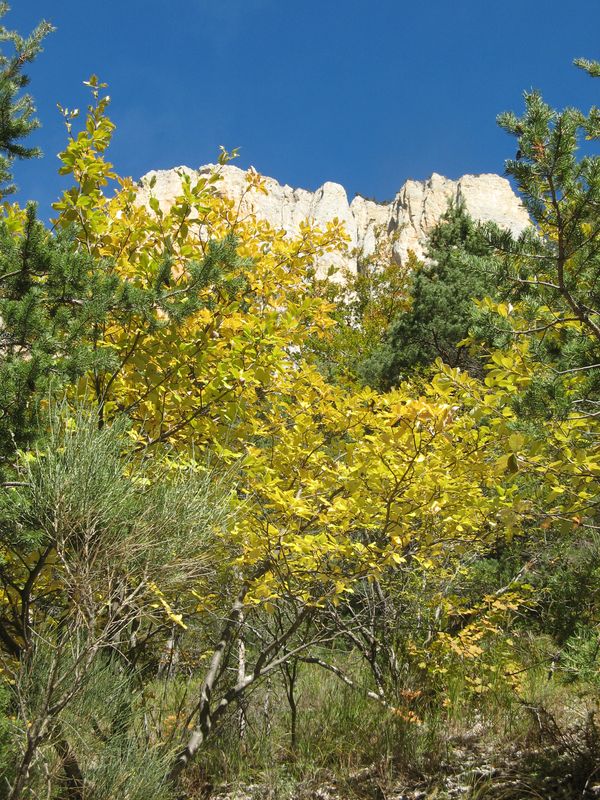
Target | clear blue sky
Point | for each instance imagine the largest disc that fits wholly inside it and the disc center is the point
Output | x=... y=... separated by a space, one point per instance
x=364 y=92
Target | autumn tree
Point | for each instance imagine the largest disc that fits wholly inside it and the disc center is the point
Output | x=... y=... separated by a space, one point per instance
x=334 y=487
x=57 y=294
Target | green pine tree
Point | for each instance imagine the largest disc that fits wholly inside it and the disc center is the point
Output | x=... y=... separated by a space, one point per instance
x=17 y=110
x=459 y=265
x=51 y=296
x=552 y=274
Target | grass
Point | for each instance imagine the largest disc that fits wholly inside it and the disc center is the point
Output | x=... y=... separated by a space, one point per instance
x=351 y=744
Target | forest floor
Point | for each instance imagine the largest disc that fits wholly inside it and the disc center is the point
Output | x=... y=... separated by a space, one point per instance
x=567 y=769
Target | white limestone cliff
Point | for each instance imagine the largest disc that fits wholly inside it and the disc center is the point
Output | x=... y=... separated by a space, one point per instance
x=405 y=221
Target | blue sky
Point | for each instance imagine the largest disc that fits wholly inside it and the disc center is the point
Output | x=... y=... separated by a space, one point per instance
x=363 y=92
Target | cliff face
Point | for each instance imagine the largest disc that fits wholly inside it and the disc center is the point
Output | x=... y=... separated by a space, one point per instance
x=405 y=221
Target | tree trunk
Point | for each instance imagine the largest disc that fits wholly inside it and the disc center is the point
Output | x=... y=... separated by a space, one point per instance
x=242 y=721
x=204 y=723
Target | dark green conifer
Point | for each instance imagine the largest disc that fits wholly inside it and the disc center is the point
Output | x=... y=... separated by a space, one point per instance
x=553 y=272
x=457 y=270
x=17 y=110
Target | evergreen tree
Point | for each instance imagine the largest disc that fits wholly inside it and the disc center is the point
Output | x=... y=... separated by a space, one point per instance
x=51 y=296
x=17 y=110
x=552 y=274
x=19 y=261
x=457 y=270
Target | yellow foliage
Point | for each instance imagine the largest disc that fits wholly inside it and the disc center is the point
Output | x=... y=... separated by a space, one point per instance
x=334 y=485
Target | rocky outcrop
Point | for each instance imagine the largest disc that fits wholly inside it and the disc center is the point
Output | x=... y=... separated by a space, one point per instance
x=405 y=221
